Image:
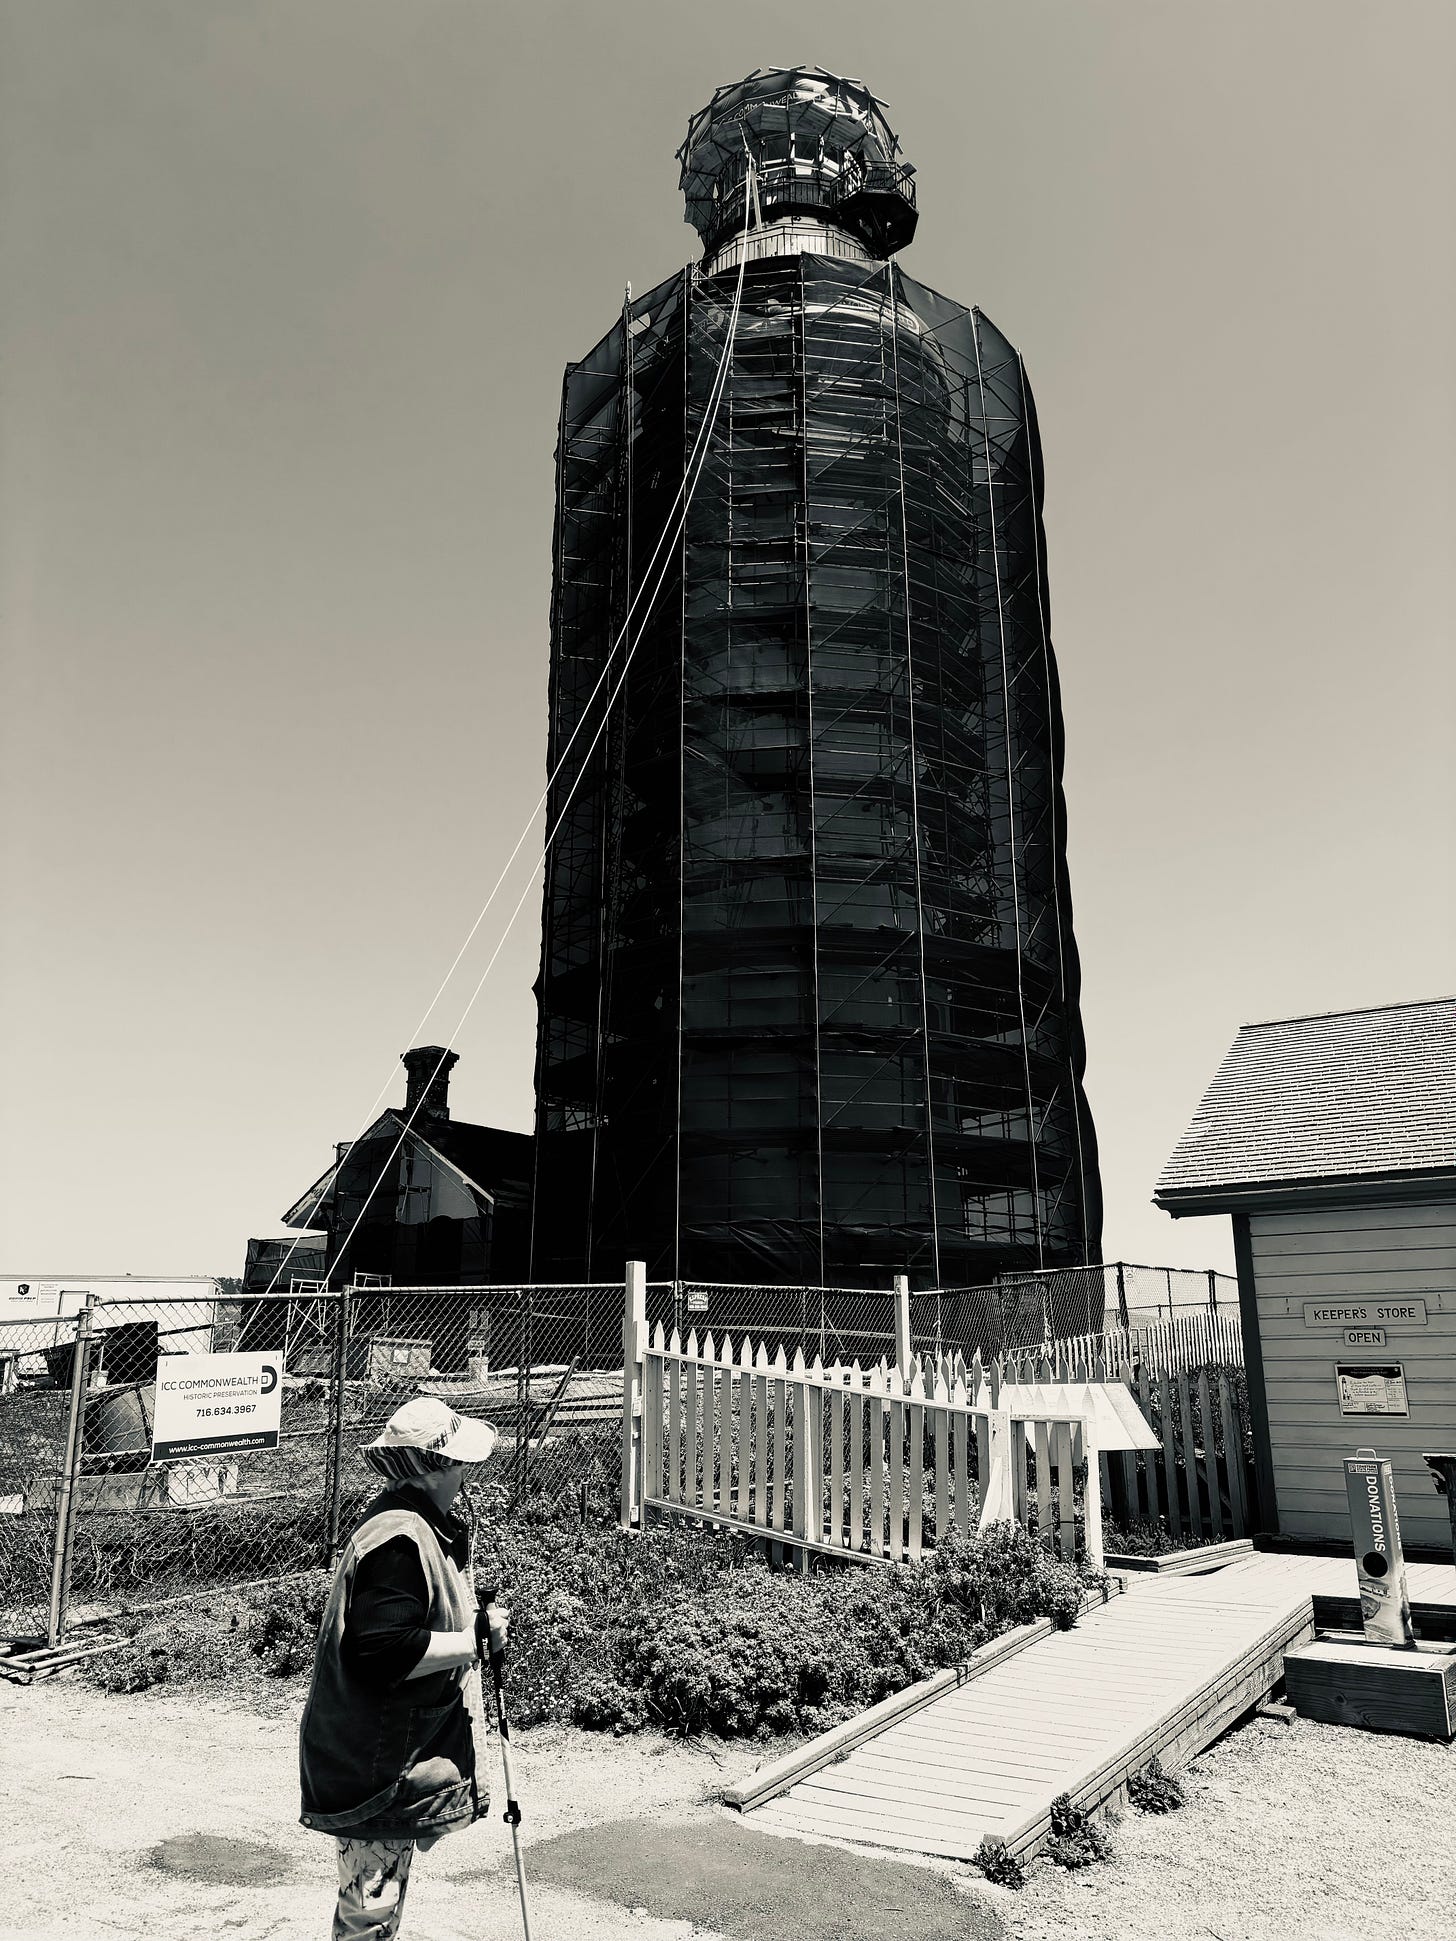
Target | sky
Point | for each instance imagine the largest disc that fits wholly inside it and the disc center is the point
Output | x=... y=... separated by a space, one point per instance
x=286 y=292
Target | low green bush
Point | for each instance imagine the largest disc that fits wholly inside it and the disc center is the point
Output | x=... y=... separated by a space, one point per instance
x=271 y=1627
x=1154 y=1791
x=280 y=1623
x=1076 y=1841
x=1001 y=1868
x=188 y=1645
x=692 y=1630
x=689 y=1630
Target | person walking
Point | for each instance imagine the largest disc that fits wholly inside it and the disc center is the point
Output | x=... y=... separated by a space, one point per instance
x=387 y=1745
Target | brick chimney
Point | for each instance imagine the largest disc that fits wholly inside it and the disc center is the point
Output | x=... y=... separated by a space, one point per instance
x=428 y=1088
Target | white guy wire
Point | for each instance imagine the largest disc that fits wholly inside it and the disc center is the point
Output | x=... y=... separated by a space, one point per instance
x=677 y=520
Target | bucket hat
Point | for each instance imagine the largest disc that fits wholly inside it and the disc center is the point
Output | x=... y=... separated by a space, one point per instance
x=426 y=1434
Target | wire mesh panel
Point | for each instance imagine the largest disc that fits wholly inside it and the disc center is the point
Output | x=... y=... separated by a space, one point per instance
x=1152 y=1294
x=541 y=1364
x=36 y=1358
x=244 y=1504
x=835 y=1323
x=957 y=1320
x=1024 y=1310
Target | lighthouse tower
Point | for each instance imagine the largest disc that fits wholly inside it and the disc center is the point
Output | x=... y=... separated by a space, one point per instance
x=809 y=990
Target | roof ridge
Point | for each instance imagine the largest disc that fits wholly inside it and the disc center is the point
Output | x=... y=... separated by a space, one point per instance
x=1357 y=1011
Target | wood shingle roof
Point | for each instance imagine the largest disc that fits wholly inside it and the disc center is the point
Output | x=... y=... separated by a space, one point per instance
x=1355 y=1096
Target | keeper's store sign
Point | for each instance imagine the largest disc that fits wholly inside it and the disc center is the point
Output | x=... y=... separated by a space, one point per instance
x=210 y=1405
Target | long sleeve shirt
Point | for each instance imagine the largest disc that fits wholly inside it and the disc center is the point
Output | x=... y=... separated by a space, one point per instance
x=386 y=1628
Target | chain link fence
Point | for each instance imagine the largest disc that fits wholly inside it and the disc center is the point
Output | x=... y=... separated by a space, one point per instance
x=35 y=1410
x=835 y=1323
x=93 y=1525
x=1014 y=1312
x=1018 y=1311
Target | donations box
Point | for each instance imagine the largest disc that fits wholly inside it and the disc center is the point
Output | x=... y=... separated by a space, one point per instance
x=1379 y=1559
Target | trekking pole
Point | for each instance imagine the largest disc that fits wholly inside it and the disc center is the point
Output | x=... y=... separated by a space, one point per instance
x=512 y=1814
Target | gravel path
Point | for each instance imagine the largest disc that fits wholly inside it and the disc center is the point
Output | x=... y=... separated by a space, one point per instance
x=173 y=1814
x=1295 y=1832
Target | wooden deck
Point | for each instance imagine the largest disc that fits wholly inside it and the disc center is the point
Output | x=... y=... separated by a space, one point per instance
x=1334 y=1577
x=1160 y=1671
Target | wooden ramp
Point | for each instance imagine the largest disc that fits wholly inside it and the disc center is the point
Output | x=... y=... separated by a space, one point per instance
x=1334 y=1578
x=1161 y=1671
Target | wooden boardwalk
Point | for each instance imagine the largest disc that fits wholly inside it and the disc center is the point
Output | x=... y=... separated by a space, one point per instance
x=1333 y=1577
x=1160 y=1671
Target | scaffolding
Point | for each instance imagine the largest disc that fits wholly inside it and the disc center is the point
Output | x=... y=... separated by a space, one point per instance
x=809 y=992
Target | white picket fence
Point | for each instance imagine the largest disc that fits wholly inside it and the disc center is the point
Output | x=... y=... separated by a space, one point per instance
x=1159 y=1348
x=1187 y=1377
x=833 y=1461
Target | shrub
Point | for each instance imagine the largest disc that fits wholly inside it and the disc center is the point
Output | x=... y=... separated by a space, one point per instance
x=687 y=1629
x=129 y=1669
x=186 y=1645
x=1011 y=1579
x=1154 y=1791
x=280 y=1623
x=1076 y=1841
x=1000 y=1867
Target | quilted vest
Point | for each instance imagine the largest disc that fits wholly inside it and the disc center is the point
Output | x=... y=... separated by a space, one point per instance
x=375 y=1765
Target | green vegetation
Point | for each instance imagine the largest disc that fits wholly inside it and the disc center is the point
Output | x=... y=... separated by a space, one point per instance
x=683 y=1629
x=1076 y=1841
x=223 y=1638
x=1154 y=1791
x=999 y=1866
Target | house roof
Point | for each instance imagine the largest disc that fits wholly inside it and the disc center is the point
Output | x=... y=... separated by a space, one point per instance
x=1347 y=1097
x=501 y=1162
x=443 y=1144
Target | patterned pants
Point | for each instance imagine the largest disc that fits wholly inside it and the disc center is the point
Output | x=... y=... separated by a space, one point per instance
x=373 y=1876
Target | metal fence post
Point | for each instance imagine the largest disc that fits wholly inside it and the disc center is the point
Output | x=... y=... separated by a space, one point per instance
x=66 y=1494
x=902 y=1323
x=1121 y=1296
x=525 y=1370
x=339 y=1364
x=634 y=1337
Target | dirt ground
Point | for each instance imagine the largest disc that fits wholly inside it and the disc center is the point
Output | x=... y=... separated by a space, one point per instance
x=1296 y=1832
x=174 y=1814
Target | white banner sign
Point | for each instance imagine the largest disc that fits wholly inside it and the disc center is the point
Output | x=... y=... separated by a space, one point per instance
x=208 y=1405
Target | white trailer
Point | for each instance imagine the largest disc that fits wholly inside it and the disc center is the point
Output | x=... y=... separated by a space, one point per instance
x=38 y=1311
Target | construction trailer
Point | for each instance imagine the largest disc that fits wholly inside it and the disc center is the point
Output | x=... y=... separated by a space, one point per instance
x=809 y=994
x=137 y=1318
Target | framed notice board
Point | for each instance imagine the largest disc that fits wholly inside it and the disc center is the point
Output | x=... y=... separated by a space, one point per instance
x=1371 y=1388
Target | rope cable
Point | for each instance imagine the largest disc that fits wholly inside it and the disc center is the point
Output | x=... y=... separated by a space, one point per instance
x=1011 y=766
x=676 y=523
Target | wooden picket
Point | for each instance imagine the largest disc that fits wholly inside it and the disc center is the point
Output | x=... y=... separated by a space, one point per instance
x=854 y=1460
x=1183 y=1373
x=834 y=1460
